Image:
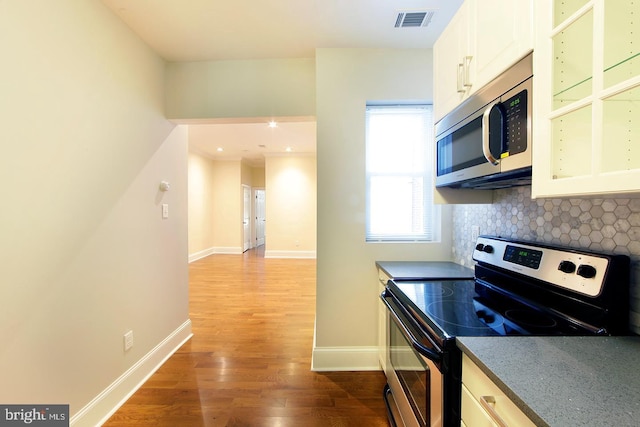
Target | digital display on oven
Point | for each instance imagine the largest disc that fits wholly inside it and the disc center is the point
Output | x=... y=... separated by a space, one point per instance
x=523 y=256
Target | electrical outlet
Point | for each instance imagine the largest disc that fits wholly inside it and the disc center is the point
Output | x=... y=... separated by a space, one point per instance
x=475 y=232
x=128 y=340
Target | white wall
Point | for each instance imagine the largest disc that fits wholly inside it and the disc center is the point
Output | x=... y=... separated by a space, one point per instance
x=85 y=253
x=290 y=206
x=216 y=205
x=201 y=216
x=347 y=291
x=227 y=206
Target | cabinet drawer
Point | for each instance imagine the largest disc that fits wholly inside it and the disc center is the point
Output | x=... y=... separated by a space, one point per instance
x=383 y=278
x=472 y=413
x=483 y=392
x=383 y=323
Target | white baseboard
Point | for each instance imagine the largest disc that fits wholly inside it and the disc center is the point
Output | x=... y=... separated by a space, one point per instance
x=201 y=254
x=290 y=254
x=238 y=251
x=103 y=406
x=232 y=250
x=345 y=359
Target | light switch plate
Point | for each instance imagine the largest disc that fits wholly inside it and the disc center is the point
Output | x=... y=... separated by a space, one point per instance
x=128 y=340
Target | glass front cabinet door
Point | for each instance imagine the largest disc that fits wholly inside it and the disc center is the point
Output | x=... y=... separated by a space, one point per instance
x=587 y=98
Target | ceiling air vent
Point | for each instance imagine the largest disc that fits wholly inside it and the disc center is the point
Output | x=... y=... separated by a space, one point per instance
x=414 y=19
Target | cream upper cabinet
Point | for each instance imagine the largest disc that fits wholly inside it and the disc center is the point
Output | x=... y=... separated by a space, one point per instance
x=483 y=39
x=586 y=98
x=452 y=64
x=504 y=35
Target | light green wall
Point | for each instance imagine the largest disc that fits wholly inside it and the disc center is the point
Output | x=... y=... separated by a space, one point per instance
x=344 y=79
x=85 y=253
x=240 y=88
x=347 y=294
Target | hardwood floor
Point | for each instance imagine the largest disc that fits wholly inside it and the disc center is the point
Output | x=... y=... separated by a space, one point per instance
x=248 y=363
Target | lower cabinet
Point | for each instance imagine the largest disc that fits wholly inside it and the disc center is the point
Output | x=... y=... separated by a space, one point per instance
x=484 y=404
x=383 y=321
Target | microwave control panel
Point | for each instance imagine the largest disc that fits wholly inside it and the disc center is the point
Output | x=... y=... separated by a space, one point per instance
x=516 y=117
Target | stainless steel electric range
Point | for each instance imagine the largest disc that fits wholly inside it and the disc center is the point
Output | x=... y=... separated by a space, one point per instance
x=520 y=288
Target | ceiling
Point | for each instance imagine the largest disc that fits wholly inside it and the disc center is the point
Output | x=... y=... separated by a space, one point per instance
x=252 y=142
x=199 y=30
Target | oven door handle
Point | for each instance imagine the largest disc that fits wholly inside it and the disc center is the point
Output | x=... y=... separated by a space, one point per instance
x=421 y=348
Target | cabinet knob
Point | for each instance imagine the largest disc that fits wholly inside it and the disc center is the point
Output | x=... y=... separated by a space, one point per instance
x=460 y=77
x=466 y=66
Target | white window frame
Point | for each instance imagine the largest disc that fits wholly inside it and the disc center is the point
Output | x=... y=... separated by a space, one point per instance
x=425 y=227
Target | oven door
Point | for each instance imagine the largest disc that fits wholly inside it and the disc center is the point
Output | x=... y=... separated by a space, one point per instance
x=415 y=382
x=460 y=153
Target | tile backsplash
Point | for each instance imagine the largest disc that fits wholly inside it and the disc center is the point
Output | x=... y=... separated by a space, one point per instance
x=601 y=225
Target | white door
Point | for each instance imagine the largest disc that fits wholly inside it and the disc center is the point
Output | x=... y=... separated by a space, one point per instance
x=246 y=218
x=260 y=217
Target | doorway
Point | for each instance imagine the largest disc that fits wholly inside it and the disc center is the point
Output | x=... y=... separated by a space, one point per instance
x=246 y=215
x=260 y=215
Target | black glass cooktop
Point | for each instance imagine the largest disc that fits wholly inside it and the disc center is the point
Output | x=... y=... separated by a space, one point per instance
x=452 y=308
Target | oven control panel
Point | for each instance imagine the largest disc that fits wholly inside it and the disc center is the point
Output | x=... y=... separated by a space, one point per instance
x=570 y=269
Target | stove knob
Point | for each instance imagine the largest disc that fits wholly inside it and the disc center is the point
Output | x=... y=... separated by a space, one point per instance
x=479 y=247
x=488 y=249
x=586 y=271
x=567 y=267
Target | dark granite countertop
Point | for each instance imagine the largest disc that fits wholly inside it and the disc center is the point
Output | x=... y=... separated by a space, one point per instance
x=417 y=270
x=564 y=381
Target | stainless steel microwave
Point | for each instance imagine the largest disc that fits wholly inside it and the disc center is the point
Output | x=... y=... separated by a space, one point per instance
x=485 y=143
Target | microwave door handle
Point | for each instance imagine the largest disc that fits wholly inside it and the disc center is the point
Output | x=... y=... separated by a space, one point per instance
x=486 y=148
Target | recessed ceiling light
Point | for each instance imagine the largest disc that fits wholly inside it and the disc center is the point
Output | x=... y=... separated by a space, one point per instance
x=220 y=149
x=288 y=149
x=273 y=124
